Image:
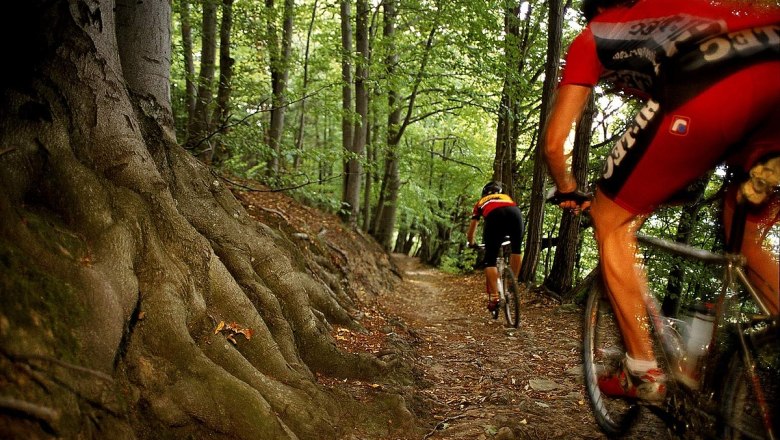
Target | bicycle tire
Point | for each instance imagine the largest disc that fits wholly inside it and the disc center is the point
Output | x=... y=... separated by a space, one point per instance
x=742 y=416
x=603 y=350
x=512 y=298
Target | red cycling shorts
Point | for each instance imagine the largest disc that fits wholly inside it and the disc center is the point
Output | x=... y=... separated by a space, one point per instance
x=734 y=118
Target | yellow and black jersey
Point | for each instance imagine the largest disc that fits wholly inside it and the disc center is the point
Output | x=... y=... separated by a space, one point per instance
x=490 y=202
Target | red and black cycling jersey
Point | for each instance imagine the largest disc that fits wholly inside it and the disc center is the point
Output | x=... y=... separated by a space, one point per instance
x=638 y=48
x=490 y=202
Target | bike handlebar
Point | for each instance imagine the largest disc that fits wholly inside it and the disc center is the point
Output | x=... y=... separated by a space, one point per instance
x=577 y=197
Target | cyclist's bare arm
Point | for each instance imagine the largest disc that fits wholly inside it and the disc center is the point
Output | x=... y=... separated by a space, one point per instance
x=470 y=233
x=567 y=109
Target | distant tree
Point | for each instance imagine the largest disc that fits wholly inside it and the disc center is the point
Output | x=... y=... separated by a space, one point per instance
x=347 y=123
x=279 y=59
x=354 y=173
x=189 y=65
x=225 y=86
x=200 y=122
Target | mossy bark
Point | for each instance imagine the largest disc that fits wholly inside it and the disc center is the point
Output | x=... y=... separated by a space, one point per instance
x=120 y=253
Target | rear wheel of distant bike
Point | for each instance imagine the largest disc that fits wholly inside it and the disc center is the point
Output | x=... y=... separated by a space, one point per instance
x=603 y=351
x=747 y=413
x=512 y=300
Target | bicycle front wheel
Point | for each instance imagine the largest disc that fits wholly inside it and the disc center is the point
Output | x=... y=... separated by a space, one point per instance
x=750 y=414
x=603 y=351
x=512 y=297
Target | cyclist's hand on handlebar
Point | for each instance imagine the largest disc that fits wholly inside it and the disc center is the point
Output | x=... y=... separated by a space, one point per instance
x=576 y=200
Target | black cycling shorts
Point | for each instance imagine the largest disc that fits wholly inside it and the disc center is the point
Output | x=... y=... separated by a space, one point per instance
x=500 y=223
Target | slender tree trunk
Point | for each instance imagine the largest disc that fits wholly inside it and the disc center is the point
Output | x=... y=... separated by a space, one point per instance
x=351 y=211
x=189 y=65
x=369 y=173
x=222 y=109
x=390 y=179
x=305 y=89
x=395 y=130
x=504 y=163
x=346 y=88
x=536 y=213
x=280 y=49
x=199 y=125
x=561 y=275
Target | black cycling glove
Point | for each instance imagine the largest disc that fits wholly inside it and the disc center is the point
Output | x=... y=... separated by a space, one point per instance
x=577 y=197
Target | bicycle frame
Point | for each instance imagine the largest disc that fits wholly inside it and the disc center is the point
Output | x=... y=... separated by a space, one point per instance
x=734 y=276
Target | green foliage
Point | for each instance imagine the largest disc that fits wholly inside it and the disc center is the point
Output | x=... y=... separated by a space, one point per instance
x=446 y=152
x=459 y=263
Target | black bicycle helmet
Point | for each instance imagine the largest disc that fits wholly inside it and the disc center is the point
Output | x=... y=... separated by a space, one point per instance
x=492 y=188
x=590 y=8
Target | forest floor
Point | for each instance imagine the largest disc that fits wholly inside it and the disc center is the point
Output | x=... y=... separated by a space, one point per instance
x=475 y=378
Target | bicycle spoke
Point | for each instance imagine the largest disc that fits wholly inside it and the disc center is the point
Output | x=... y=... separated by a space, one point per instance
x=603 y=352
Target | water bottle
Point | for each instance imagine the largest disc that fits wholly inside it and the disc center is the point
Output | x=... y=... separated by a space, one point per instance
x=702 y=321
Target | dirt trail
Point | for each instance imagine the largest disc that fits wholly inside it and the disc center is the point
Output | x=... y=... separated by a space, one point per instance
x=483 y=380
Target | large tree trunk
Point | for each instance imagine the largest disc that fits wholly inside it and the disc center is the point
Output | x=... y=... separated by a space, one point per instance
x=536 y=213
x=120 y=254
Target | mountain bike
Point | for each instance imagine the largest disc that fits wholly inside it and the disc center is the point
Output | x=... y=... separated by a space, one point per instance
x=724 y=383
x=508 y=289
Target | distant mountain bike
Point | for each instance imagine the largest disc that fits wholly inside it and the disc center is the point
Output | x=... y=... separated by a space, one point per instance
x=722 y=365
x=508 y=289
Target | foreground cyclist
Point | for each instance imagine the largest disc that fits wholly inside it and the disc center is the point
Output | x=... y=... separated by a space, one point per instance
x=709 y=72
x=502 y=218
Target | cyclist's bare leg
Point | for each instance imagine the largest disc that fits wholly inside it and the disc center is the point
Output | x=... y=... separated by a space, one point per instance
x=615 y=228
x=491 y=273
x=515 y=261
x=762 y=265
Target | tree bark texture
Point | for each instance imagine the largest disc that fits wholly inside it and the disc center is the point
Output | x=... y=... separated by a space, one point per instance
x=506 y=134
x=346 y=87
x=536 y=212
x=358 y=147
x=120 y=254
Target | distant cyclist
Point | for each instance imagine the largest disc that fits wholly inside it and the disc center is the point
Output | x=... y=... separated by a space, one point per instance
x=502 y=219
x=709 y=72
